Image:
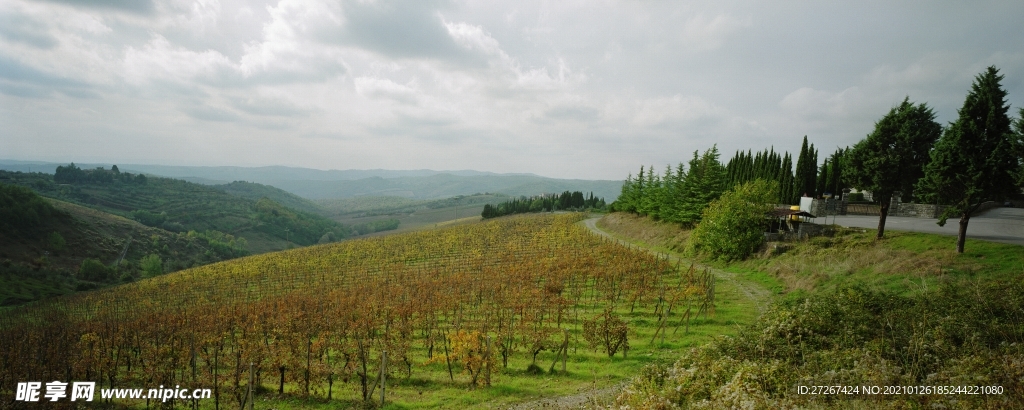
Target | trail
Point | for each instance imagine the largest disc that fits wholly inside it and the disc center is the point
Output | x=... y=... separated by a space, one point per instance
x=753 y=292
x=602 y=397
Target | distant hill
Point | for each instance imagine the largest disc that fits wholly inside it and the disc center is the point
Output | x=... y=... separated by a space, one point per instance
x=41 y=254
x=256 y=191
x=221 y=175
x=180 y=206
x=447 y=185
x=319 y=184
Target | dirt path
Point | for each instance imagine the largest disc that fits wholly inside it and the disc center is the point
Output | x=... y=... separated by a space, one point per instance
x=750 y=290
x=604 y=397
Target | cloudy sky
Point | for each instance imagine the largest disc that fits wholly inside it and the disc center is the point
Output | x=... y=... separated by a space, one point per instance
x=560 y=88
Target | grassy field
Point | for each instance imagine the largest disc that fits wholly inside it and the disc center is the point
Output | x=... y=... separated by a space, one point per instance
x=855 y=311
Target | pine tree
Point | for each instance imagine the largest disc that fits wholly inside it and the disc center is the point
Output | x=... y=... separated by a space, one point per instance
x=705 y=181
x=976 y=159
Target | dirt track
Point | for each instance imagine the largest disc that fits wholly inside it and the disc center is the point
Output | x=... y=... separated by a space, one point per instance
x=604 y=397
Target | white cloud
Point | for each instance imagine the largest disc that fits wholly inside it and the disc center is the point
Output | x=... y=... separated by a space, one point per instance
x=473 y=38
x=518 y=86
x=371 y=87
x=675 y=111
x=702 y=33
x=161 y=60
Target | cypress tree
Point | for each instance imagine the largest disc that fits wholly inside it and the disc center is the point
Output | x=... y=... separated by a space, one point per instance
x=800 y=183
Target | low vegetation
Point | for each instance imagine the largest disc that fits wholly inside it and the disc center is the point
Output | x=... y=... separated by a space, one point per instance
x=732 y=226
x=904 y=311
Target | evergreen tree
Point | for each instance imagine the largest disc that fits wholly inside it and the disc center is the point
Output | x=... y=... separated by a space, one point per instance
x=806 y=171
x=821 y=186
x=976 y=159
x=705 y=181
x=786 y=180
x=1018 y=134
x=893 y=155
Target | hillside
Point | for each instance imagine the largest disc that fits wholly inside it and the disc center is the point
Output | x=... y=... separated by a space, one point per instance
x=254 y=191
x=43 y=258
x=180 y=206
x=904 y=312
x=410 y=214
x=480 y=315
x=446 y=185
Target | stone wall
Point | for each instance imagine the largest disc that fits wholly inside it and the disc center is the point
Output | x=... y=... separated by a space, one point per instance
x=822 y=207
x=911 y=209
x=931 y=210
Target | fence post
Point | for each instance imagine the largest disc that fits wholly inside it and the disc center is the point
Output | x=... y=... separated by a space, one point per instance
x=383 y=373
x=249 y=399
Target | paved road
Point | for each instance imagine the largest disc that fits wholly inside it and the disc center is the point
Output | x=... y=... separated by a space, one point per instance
x=997 y=225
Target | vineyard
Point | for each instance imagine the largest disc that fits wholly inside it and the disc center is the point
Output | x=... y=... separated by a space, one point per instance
x=320 y=319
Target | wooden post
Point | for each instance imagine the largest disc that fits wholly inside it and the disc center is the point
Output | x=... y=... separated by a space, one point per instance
x=383 y=373
x=487 y=362
x=249 y=393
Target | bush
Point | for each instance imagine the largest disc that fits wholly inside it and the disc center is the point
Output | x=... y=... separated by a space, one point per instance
x=56 y=242
x=607 y=332
x=21 y=210
x=152 y=265
x=93 y=270
x=149 y=218
x=733 y=226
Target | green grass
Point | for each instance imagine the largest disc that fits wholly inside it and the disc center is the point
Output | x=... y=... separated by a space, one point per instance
x=903 y=262
x=913 y=284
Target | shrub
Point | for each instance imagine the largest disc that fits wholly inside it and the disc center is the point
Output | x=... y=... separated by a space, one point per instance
x=608 y=332
x=733 y=226
x=152 y=265
x=149 y=218
x=94 y=270
x=56 y=242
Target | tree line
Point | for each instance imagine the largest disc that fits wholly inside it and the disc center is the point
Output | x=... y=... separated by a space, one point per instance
x=72 y=174
x=976 y=159
x=544 y=203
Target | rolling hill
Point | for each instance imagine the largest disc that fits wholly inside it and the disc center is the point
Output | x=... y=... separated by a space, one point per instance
x=320 y=184
x=180 y=206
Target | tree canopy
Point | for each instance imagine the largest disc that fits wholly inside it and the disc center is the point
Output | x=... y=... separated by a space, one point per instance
x=976 y=159
x=892 y=157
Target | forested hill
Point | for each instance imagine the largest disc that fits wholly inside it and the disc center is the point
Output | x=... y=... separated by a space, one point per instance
x=256 y=191
x=180 y=206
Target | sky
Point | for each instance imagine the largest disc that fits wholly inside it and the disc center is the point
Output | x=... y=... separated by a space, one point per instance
x=565 y=89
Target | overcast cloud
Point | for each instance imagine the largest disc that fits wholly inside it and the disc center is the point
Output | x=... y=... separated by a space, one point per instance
x=564 y=89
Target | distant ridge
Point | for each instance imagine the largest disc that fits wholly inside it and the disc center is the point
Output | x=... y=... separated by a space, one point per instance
x=320 y=184
x=224 y=174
